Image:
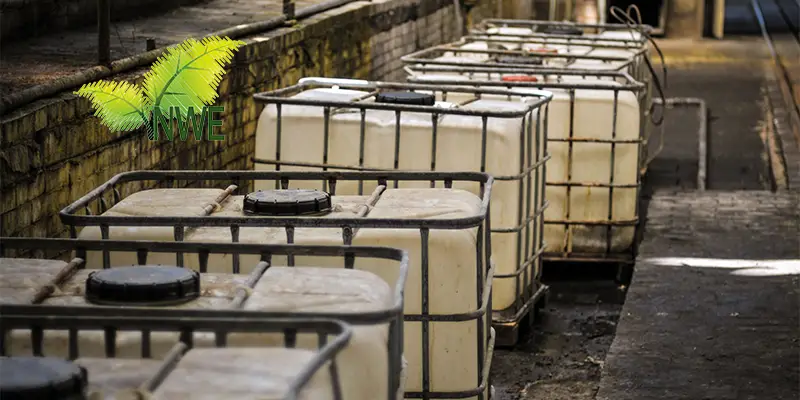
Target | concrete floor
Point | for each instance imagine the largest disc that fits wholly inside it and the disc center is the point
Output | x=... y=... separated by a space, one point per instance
x=714 y=307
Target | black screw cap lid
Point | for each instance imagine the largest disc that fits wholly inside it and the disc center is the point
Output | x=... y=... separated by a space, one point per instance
x=143 y=285
x=406 y=98
x=41 y=378
x=520 y=60
x=287 y=202
x=563 y=30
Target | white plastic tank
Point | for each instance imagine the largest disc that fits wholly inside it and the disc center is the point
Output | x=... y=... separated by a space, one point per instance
x=117 y=378
x=455 y=277
x=615 y=42
x=471 y=56
x=364 y=363
x=592 y=118
x=243 y=373
x=219 y=373
x=544 y=29
x=525 y=42
x=458 y=148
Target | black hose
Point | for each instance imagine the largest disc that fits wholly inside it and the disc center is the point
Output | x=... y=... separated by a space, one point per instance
x=626 y=18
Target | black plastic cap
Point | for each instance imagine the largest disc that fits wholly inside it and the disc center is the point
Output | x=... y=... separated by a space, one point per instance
x=406 y=98
x=41 y=378
x=287 y=202
x=520 y=60
x=563 y=30
x=150 y=285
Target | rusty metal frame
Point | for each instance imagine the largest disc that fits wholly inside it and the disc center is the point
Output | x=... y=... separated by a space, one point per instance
x=535 y=25
x=646 y=35
x=635 y=64
x=625 y=83
x=481 y=221
x=530 y=220
x=392 y=315
x=111 y=320
x=595 y=42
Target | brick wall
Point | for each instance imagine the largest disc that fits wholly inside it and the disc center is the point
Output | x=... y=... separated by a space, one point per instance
x=54 y=151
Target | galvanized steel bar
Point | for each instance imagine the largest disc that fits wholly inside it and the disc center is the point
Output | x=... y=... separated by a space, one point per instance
x=702 y=133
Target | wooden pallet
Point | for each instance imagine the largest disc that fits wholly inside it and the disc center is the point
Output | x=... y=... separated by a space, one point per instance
x=510 y=323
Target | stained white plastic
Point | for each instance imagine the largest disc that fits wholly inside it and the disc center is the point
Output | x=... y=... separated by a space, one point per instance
x=458 y=148
x=591 y=162
x=243 y=373
x=220 y=373
x=364 y=363
x=117 y=378
x=506 y=33
x=586 y=45
x=452 y=253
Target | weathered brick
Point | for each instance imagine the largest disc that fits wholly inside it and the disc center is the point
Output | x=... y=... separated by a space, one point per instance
x=37 y=208
x=361 y=40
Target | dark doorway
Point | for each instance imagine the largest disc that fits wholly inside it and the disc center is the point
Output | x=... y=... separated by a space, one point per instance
x=650 y=10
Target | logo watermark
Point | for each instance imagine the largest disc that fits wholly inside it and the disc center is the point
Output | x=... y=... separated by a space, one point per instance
x=177 y=96
x=174 y=123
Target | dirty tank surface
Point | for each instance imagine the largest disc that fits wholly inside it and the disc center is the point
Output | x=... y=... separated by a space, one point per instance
x=562 y=357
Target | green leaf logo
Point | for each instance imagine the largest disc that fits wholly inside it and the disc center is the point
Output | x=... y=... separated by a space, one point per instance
x=187 y=75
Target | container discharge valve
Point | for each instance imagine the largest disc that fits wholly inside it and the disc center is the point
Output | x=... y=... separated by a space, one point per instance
x=287 y=202
x=41 y=378
x=148 y=285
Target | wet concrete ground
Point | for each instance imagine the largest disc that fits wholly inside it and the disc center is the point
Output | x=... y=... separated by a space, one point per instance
x=563 y=357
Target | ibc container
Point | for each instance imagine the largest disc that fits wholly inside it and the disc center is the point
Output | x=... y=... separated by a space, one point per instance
x=601 y=58
x=605 y=39
x=370 y=364
x=341 y=124
x=448 y=341
x=486 y=51
x=595 y=141
x=261 y=371
x=612 y=34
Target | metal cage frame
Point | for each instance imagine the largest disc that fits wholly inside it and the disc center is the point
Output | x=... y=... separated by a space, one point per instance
x=628 y=84
x=646 y=34
x=38 y=318
x=481 y=221
x=529 y=220
x=534 y=25
x=392 y=316
x=635 y=64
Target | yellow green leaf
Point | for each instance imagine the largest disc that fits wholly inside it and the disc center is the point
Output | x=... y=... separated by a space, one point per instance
x=188 y=74
x=121 y=106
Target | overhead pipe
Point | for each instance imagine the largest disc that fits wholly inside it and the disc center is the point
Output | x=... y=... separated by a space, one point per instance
x=23 y=97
